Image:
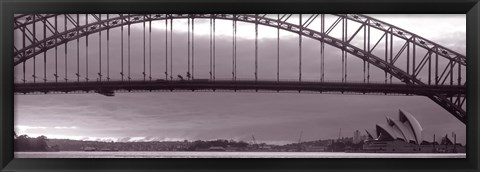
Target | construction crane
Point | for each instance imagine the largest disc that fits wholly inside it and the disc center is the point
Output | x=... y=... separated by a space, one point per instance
x=339 y=134
x=299 y=141
x=254 y=142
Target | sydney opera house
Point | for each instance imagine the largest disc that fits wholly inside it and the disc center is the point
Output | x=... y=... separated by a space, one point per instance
x=405 y=135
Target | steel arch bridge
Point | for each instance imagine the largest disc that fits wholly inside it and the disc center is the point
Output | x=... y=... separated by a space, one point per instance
x=40 y=36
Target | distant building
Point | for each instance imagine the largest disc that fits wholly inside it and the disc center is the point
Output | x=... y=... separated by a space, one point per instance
x=356 y=137
x=404 y=135
x=316 y=148
x=90 y=149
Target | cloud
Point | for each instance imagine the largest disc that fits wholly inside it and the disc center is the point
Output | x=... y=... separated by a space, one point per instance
x=72 y=127
x=21 y=129
x=273 y=117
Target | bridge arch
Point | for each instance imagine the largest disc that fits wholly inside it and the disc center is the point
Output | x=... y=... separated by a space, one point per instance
x=59 y=38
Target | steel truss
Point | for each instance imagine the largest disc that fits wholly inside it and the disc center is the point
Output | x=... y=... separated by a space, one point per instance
x=434 y=51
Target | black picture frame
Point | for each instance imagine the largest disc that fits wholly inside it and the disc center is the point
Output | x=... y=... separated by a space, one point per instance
x=9 y=7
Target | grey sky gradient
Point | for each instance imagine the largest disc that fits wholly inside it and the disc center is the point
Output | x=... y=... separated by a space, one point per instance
x=271 y=117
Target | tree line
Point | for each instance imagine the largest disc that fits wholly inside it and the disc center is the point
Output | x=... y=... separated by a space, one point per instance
x=199 y=144
x=26 y=143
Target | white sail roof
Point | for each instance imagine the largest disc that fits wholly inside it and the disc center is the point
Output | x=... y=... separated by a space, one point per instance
x=407 y=128
x=412 y=124
x=402 y=129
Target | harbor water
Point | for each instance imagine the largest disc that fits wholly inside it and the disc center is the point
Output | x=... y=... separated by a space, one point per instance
x=172 y=154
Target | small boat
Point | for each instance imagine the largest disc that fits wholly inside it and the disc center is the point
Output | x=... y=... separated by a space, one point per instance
x=109 y=150
x=89 y=149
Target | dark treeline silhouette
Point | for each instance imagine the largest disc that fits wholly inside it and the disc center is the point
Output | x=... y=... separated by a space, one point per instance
x=25 y=143
x=199 y=144
x=79 y=145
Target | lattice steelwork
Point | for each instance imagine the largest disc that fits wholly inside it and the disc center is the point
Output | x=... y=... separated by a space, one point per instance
x=401 y=55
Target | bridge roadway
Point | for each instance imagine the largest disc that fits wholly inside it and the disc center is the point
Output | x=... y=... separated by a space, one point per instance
x=109 y=87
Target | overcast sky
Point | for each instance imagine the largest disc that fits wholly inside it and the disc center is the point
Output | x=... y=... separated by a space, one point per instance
x=270 y=117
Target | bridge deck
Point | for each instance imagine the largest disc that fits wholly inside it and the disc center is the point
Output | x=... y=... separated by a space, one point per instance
x=209 y=85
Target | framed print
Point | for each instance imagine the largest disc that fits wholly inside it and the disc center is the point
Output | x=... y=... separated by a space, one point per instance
x=240 y=85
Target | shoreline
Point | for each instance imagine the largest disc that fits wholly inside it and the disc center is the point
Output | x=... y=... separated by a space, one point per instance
x=211 y=154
